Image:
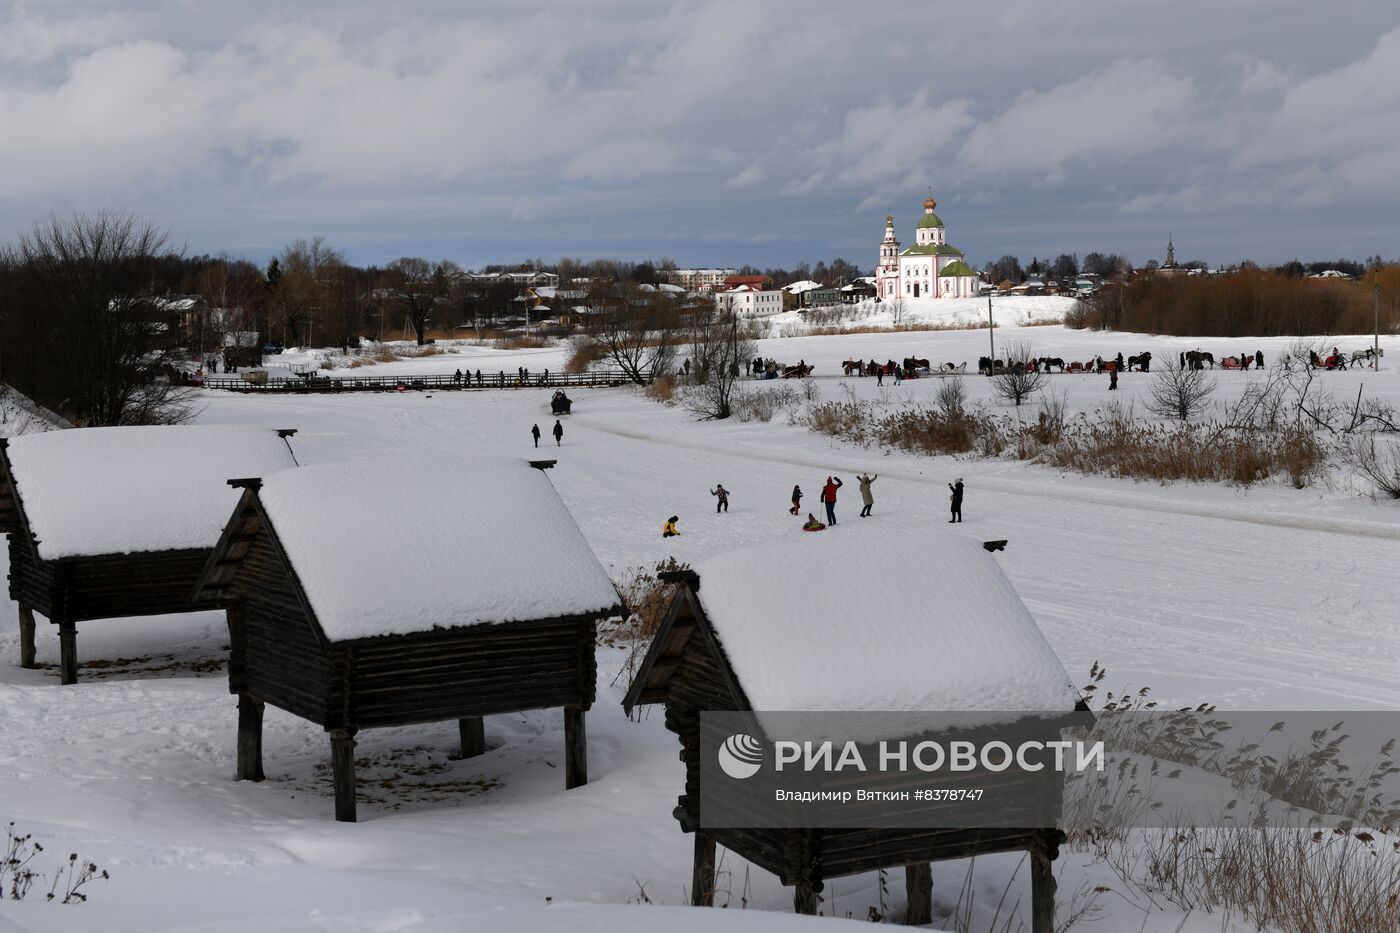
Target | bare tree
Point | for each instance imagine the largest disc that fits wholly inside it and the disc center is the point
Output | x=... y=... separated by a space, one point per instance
x=300 y=283
x=1179 y=392
x=1019 y=380
x=897 y=309
x=103 y=341
x=721 y=347
x=417 y=286
x=636 y=330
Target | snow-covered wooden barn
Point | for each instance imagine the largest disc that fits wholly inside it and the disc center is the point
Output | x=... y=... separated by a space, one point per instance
x=374 y=594
x=115 y=522
x=804 y=627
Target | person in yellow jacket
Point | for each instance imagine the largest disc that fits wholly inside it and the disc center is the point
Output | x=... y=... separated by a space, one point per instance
x=669 y=531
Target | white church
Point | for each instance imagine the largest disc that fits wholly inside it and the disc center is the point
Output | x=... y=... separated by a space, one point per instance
x=929 y=269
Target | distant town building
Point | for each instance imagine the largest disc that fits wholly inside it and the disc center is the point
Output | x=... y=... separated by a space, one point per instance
x=931 y=268
x=699 y=279
x=747 y=301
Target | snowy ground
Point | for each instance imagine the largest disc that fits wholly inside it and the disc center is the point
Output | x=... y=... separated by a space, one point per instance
x=1270 y=598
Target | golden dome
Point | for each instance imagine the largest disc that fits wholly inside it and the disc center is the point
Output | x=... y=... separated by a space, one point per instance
x=929 y=202
x=889 y=219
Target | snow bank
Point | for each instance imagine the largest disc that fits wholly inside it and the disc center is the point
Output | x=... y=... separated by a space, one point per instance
x=89 y=491
x=812 y=625
x=393 y=547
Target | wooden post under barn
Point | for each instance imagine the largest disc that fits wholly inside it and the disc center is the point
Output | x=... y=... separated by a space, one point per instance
x=27 y=653
x=343 y=773
x=1043 y=883
x=575 y=748
x=702 y=880
x=918 y=889
x=68 y=651
x=804 y=898
x=250 y=723
x=473 y=732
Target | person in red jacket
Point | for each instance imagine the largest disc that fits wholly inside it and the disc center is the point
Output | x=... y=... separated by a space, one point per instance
x=829 y=498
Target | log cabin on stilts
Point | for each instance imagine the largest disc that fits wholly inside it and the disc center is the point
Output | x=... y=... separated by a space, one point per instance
x=116 y=522
x=374 y=594
x=802 y=628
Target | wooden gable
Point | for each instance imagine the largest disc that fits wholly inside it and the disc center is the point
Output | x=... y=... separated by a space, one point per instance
x=686 y=661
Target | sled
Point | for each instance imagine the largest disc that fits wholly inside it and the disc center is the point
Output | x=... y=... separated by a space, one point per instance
x=817 y=527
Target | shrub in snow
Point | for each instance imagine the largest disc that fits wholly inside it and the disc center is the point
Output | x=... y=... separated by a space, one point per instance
x=17 y=878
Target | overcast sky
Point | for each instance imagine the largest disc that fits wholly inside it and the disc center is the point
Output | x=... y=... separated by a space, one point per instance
x=714 y=133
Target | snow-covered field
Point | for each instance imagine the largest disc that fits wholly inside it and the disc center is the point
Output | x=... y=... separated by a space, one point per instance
x=1266 y=598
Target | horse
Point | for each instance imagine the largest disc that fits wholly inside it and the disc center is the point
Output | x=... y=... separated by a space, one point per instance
x=913 y=363
x=1367 y=354
x=1048 y=361
x=856 y=366
x=798 y=372
x=1194 y=359
x=1142 y=362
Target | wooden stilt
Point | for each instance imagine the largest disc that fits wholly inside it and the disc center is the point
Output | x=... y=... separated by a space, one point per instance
x=1042 y=892
x=702 y=879
x=918 y=888
x=250 y=721
x=343 y=772
x=575 y=748
x=804 y=899
x=27 y=657
x=473 y=730
x=68 y=651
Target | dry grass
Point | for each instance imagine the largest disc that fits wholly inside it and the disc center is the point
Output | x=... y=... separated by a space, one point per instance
x=1110 y=444
x=1294 y=879
x=522 y=343
x=662 y=389
x=893 y=329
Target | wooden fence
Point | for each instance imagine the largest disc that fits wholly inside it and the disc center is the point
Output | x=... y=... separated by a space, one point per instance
x=593 y=379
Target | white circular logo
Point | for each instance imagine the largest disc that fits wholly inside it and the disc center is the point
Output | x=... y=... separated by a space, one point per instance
x=741 y=756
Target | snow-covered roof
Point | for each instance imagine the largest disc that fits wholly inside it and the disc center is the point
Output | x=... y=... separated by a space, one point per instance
x=91 y=491
x=395 y=547
x=811 y=625
x=797 y=288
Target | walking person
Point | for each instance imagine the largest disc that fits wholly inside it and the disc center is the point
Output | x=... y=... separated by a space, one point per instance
x=828 y=498
x=1258 y=359
x=879 y=375
x=1112 y=379
x=535 y=432
x=796 y=501
x=866 y=498
x=558 y=433
x=955 y=500
x=723 y=496
x=1119 y=361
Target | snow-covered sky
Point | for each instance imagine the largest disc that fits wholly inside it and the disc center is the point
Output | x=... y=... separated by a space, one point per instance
x=711 y=131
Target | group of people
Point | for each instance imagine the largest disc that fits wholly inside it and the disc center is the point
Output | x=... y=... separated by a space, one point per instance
x=827 y=498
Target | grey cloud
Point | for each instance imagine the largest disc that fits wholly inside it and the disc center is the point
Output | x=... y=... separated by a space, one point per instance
x=778 y=130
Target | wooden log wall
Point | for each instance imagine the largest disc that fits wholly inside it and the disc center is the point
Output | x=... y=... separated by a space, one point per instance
x=31 y=581
x=122 y=585
x=276 y=654
x=476 y=671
